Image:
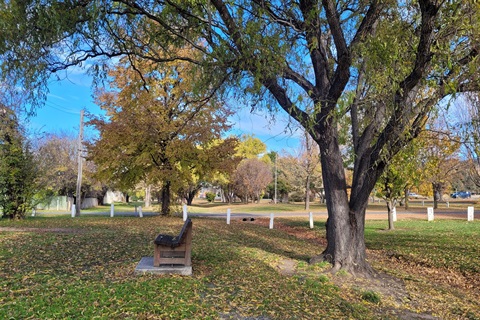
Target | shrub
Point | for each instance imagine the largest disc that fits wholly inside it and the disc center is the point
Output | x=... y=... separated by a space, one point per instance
x=210 y=196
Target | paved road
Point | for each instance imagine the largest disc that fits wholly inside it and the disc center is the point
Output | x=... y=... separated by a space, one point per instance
x=419 y=213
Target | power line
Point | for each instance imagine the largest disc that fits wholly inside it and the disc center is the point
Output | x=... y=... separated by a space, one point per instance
x=61 y=108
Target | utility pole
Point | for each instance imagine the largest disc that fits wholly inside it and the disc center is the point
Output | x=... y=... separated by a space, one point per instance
x=275 y=200
x=78 y=204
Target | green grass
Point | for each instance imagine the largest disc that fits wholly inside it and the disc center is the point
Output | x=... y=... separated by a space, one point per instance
x=86 y=270
x=451 y=244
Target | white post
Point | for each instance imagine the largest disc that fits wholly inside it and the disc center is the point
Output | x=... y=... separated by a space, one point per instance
x=73 y=211
x=430 y=214
x=271 y=220
x=228 y=216
x=423 y=203
x=33 y=212
x=394 y=214
x=58 y=205
x=140 y=213
x=470 y=213
x=311 y=220
x=448 y=204
x=112 y=210
x=185 y=213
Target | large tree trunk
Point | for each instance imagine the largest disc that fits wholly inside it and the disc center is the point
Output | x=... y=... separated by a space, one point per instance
x=165 y=210
x=345 y=224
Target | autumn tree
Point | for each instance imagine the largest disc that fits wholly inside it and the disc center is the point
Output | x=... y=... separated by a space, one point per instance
x=17 y=167
x=384 y=65
x=56 y=156
x=250 y=179
x=310 y=163
x=57 y=161
x=158 y=128
x=248 y=147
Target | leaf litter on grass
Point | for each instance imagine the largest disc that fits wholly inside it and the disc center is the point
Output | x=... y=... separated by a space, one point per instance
x=237 y=274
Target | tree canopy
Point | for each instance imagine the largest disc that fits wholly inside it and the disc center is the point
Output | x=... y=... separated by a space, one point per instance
x=383 y=65
x=158 y=129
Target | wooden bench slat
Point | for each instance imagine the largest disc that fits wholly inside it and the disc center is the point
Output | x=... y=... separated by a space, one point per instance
x=174 y=249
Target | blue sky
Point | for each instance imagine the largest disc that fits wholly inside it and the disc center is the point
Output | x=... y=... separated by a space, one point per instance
x=67 y=97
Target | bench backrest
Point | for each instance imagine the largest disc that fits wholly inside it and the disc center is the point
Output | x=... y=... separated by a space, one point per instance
x=183 y=232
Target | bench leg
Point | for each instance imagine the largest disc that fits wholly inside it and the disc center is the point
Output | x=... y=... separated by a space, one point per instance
x=188 y=249
x=156 y=256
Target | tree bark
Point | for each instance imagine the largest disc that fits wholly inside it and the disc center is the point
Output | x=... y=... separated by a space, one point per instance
x=437 y=193
x=390 y=207
x=165 y=209
x=190 y=196
x=307 y=193
x=345 y=224
x=407 y=202
x=148 y=196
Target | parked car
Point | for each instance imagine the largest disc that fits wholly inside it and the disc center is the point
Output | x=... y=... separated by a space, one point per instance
x=414 y=195
x=461 y=194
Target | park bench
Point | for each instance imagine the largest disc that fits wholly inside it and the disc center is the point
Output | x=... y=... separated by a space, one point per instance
x=173 y=250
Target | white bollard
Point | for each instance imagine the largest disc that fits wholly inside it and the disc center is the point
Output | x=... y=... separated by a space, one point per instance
x=185 y=213
x=394 y=214
x=470 y=213
x=430 y=215
x=271 y=220
x=112 y=210
x=228 y=216
x=73 y=211
x=58 y=205
x=448 y=204
x=311 y=220
x=423 y=203
x=140 y=213
x=33 y=212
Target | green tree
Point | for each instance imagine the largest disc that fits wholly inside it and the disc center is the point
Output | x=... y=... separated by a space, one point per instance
x=440 y=161
x=17 y=167
x=382 y=64
x=215 y=161
x=158 y=130
x=401 y=174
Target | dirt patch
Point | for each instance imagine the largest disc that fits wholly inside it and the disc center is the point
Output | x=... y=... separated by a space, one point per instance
x=40 y=230
x=287 y=267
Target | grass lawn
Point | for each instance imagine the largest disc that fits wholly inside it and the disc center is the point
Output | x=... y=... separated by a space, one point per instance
x=82 y=268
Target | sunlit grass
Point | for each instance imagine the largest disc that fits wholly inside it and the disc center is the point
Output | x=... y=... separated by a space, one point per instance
x=82 y=268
